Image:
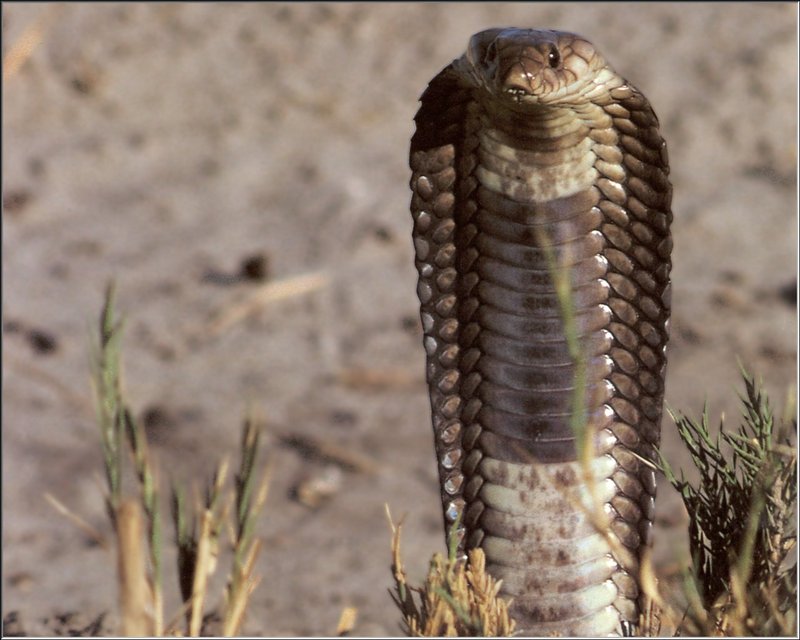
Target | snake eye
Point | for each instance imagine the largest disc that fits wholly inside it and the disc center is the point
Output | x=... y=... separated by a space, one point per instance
x=553 y=57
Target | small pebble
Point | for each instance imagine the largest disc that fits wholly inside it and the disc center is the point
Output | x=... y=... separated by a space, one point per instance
x=343 y=417
x=317 y=489
x=383 y=234
x=12 y=625
x=42 y=341
x=730 y=297
x=788 y=293
x=157 y=420
x=255 y=267
x=12 y=326
x=410 y=323
x=15 y=201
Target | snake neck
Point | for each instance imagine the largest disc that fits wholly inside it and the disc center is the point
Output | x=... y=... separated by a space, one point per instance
x=541 y=155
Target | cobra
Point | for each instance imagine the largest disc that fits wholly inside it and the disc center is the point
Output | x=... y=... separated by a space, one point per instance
x=532 y=158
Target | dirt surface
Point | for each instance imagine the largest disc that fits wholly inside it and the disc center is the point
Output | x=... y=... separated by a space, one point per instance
x=167 y=145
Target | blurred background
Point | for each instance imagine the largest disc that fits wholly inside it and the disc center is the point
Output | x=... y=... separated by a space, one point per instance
x=241 y=171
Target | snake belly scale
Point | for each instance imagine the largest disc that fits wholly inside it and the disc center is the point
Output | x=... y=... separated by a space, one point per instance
x=533 y=157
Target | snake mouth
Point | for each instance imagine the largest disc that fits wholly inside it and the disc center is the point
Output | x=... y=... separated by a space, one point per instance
x=517 y=93
x=521 y=98
x=526 y=78
x=519 y=83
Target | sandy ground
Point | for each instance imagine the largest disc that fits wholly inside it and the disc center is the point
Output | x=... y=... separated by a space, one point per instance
x=163 y=145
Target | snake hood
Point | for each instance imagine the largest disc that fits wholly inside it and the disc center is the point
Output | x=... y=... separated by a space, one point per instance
x=532 y=67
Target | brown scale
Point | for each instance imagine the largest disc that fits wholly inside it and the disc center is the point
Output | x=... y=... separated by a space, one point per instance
x=526 y=107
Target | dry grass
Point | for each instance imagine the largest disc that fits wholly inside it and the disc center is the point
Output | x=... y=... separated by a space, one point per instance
x=32 y=36
x=458 y=598
x=255 y=300
x=136 y=521
x=741 y=579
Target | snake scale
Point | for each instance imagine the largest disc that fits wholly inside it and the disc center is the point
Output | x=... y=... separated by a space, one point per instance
x=532 y=158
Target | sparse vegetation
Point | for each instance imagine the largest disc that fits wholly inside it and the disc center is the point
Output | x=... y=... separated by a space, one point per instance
x=742 y=578
x=458 y=598
x=198 y=528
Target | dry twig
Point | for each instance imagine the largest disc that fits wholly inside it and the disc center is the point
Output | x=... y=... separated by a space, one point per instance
x=24 y=46
x=261 y=297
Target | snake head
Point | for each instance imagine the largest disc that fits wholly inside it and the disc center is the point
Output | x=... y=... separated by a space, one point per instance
x=532 y=67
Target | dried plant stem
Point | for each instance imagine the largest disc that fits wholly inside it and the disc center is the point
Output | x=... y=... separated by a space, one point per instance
x=149 y=495
x=24 y=46
x=560 y=275
x=584 y=436
x=592 y=506
x=251 y=494
x=133 y=588
x=246 y=583
x=79 y=522
x=196 y=534
x=116 y=426
x=260 y=297
x=347 y=620
x=345 y=457
x=458 y=598
x=202 y=570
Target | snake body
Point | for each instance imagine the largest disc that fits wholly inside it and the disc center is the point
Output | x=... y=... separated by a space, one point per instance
x=532 y=158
